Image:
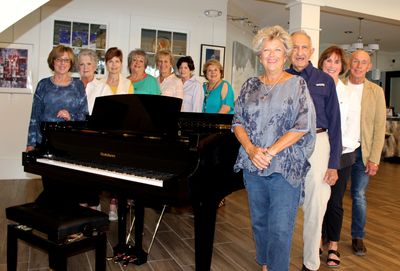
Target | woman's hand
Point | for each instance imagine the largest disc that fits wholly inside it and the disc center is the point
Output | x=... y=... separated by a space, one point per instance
x=259 y=157
x=64 y=114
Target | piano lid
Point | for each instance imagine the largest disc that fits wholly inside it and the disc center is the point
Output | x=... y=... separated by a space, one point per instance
x=141 y=113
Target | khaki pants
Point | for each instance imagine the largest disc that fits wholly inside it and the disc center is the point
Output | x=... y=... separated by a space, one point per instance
x=317 y=193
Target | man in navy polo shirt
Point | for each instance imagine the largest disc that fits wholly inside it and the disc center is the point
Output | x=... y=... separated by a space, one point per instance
x=328 y=146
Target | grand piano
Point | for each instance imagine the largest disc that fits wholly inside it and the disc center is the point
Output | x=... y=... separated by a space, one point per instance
x=142 y=147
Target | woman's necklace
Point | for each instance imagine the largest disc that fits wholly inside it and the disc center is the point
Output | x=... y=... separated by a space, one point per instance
x=274 y=84
x=213 y=86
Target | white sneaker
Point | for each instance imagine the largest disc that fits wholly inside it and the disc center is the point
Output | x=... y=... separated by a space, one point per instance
x=112 y=216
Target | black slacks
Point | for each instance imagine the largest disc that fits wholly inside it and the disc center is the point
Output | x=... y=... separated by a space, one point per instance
x=333 y=218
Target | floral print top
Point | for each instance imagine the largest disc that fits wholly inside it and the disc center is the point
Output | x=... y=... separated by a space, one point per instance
x=267 y=114
x=50 y=98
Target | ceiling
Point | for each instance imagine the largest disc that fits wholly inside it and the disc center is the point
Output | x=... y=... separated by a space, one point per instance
x=333 y=25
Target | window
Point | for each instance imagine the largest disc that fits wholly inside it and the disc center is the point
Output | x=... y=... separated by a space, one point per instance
x=153 y=40
x=80 y=35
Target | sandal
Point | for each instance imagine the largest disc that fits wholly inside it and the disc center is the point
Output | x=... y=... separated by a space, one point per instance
x=221 y=203
x=331 y=260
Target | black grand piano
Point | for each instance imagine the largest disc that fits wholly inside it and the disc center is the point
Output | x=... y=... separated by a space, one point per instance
x=142 y=147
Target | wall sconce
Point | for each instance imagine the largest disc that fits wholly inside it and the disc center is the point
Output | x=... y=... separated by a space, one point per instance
x=212 y=13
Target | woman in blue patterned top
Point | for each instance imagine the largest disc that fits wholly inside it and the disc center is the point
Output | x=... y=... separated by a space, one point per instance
x=57 y=98
x=275 y=123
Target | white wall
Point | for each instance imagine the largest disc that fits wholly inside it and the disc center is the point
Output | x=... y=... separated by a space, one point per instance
x=124 y=21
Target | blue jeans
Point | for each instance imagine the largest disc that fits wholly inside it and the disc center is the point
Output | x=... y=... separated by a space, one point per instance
x=273 y=204
x=359 y=184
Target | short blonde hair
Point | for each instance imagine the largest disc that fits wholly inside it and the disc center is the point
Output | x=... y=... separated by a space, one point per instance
x=165 y=53
x=272 y=33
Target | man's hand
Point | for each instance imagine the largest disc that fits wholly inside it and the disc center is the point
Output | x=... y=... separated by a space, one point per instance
x=331 y=176
x=371 y=168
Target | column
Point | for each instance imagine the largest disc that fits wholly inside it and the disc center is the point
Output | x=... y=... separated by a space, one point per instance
x=305 y=16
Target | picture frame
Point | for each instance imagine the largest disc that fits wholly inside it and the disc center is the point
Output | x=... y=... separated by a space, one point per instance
x=15 y=68
x=208 y=52
x=244 y=65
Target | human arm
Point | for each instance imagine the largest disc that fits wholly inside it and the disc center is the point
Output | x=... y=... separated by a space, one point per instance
x=227 y=98
x=80 y=104
x=34 y=134
x=179 y=88
x=256 y=154
x=198 y=98
x=285 y=141
x=377 y=118
x=332 y=112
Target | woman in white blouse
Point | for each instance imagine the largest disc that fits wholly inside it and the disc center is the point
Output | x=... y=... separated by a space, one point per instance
x=193 y=94
x=333 y=61
x=87 y=65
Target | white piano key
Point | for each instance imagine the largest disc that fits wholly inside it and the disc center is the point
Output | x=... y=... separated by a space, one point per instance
x=103 y=172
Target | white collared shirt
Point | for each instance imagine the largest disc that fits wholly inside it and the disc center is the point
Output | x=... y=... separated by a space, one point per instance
x=193 y=96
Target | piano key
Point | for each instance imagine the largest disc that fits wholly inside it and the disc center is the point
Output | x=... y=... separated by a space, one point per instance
x=103 y=172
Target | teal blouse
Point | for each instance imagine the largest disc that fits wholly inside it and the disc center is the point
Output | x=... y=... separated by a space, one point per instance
x=148 y=85
x=213 y=101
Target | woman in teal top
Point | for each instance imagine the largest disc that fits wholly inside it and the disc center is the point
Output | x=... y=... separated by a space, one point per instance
x=143 y=83
x=218 y=93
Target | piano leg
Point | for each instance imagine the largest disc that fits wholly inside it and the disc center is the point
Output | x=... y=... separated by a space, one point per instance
x=205 y=213
x=121 y=247
x=141 y=255
x=123 y=251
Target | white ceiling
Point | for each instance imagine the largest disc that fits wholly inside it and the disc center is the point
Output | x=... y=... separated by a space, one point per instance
x=332 y=25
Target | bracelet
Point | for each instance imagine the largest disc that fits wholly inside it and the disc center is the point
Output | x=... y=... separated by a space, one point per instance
x=268 y=154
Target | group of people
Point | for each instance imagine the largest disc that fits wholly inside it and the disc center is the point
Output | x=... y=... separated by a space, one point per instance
x=303 y=133
x=64 y=98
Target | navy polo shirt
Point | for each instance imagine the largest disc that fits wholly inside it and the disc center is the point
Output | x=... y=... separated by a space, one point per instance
x=323 y=92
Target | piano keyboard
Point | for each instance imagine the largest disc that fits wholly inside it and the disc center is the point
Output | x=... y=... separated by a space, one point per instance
x=103 y=172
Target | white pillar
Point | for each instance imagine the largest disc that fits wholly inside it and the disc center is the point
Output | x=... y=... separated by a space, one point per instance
x=305 y=15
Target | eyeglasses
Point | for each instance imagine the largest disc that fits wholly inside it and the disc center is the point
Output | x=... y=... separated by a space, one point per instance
x=62 y=60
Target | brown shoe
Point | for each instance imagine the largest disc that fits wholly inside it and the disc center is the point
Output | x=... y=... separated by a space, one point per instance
x=359 y=248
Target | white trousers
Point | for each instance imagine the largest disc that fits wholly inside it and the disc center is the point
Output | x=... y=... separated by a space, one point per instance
x=317 y=193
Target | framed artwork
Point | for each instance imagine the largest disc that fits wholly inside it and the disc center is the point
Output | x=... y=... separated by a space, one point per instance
x=211 y=52
x=244 y=65
x=15 y=68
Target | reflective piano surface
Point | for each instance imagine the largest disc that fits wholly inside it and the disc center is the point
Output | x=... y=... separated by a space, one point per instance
x=142 y=147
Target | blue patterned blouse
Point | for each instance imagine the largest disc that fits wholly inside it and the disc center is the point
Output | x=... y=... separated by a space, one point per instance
x=267 y=114
x=49 y=99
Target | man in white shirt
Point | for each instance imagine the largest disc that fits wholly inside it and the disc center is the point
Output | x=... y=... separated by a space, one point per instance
x=371 y=135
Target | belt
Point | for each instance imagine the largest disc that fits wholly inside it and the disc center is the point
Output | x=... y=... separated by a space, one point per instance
x=320 y=130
